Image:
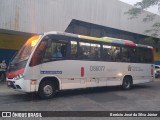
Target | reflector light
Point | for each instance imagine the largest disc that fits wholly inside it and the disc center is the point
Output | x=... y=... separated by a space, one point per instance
x=33 y=82
x=82 y=71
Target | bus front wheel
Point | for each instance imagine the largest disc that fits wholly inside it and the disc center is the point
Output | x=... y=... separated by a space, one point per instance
x=47 y=89
x=127 y=83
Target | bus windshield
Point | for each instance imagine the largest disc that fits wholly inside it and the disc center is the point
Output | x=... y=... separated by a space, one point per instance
x=26 y=50
x=20 y=59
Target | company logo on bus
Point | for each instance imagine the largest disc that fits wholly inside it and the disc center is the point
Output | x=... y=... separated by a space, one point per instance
x=134 y=68
x=51 y=72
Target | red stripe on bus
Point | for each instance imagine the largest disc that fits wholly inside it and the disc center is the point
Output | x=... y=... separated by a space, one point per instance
x=130 y=44
x=82 y=71
x=15 y=73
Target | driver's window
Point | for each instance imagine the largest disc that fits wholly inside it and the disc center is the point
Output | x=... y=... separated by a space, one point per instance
x=55 y=51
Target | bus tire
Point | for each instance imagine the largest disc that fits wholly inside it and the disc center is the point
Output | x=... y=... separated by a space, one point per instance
x=47 y=89
x=127 y=83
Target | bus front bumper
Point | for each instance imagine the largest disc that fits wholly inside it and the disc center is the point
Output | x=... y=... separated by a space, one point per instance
x=22 y=85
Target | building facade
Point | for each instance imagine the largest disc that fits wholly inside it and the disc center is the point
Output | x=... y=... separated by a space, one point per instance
x=22 y=18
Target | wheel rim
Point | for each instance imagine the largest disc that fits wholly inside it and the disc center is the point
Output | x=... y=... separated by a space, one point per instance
x=48 y=90
x=127 y=84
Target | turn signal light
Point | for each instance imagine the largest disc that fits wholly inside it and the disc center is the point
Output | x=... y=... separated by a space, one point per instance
x=33 y=82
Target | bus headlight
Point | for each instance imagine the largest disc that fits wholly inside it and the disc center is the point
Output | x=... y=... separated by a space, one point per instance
x=19 y=77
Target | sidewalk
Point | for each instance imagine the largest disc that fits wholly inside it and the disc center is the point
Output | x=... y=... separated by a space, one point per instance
x=3 y=83
x=157 y=79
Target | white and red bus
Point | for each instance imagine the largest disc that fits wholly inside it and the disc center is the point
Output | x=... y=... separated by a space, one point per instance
x=59 y=61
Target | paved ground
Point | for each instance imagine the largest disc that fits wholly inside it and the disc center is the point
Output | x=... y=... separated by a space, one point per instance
x=144 y=97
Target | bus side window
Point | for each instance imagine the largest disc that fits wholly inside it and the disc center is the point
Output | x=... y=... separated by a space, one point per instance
x=74 y=49
x=140 y=55
x=106 y=53
x=64 y=50
x=84 y=50
x=116 y=54
x=59 y=50
x=95 y=52
x=148 y=55
x=55 y=51
x=125 y=54
x=132 y=54
x=89 y=51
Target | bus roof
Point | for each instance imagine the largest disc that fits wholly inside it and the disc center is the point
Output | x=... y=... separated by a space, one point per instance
x=103 y=39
